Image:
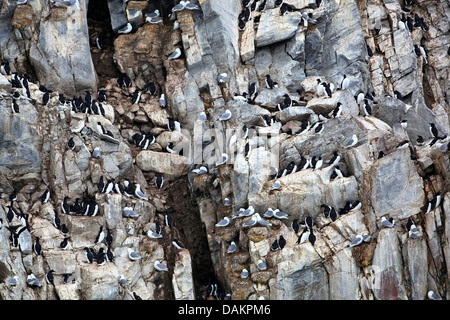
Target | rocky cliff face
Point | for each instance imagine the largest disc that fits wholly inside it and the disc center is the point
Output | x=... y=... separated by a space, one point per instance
x=397 y=168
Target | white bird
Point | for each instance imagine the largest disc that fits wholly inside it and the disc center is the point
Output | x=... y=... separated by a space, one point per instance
x=153 y=235
x=238 y=213
x=251 y=222
x=268 y=213
x=33 y=281
x=12 y=281
x=222 y=78
x=201 y=170
x=345 y=82
x=225 y=116
x=162 y=101
x=191 y=6
x=174 y=55
x=232 y=248
x=21 y=2
x=128 y=212
x=433 y=296
x=201 y=116
x=247 y=212
x=280 y=214
x=261 y=265
x=126 y=29
x=351 y=142
x=357 y=241
x=154 y=20
x=138 y=192
x=388 y=223
x=261 y=221
x=223 y=223
x=276 y=185
x=180 y=6
x=123 y=281
x=244 y=274
x=133 y=255
x=224 y=159
x=159 y=266
x=320 y=89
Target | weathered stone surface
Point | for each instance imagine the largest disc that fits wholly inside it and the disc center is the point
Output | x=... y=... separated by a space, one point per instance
x=397 y=189
x=387 y=265
x=167 y=163
x=275 y=28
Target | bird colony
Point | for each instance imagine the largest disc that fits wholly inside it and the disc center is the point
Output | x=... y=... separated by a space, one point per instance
x=310 y=135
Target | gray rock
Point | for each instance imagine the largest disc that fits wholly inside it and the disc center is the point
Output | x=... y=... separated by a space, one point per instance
x=386 y=175
x=387 y=264
x=274 y=28
x=295 y=113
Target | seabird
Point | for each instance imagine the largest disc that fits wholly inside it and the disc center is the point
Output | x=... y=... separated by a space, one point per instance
x=357 y=241
x=269 y=82
x=125 y=29
x=261 y=265
x=89 y=254
x=232 y=248
x=433 y=130
x=108 y=237
x=168 y=220
x=177 y=244
x=154 y=235
x=15 y=106
x=433 y=296
x=251 y=222
x=281 y=242
x=224 y=159
x=226 y=202
x=49 y=277
x=280 y=214
x=351 y=142
x=275 y=246
x=388 y=223
x=436 y=201
x=65 y=205
x=159 y=182
x=268 y=213
x=133 y=255
x=136 y=96
x=225 y=116
x=159 y=266
x=337 y=111
x=45 y=196
x=174 y=55
x=333 y=214
x=64 y=244
x=261 y=221
x=201 y=116
x=312 y=237
x=150 y=88
x=344 y=83
x=367 y=109
x=316 y=162
x=201 y=170
x=100 y=236
x=222 y=78
x=244 y=274
x=138 y=192
x=97 y=152
x=276 y=185
x=33 y=281
x=12 y=281
x=223 y=223
x=37 y=248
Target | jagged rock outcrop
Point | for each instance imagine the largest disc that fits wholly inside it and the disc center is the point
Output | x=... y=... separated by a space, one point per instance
x=267 y=139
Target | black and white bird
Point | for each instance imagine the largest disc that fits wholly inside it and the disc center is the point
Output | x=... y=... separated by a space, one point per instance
x=433 y=130
x=108 y=237
x=89 y=254
x=45 y=196
x=270 y=84
x=100 y=236
x=15 y=107
x=37 y=248
x=64 y=244
x=177 y=244
x=337 y=111
x=136 y=97
x=49 y=277
x=345 y=83
x=159 y=181
x=71 y=144
x=168 y=220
